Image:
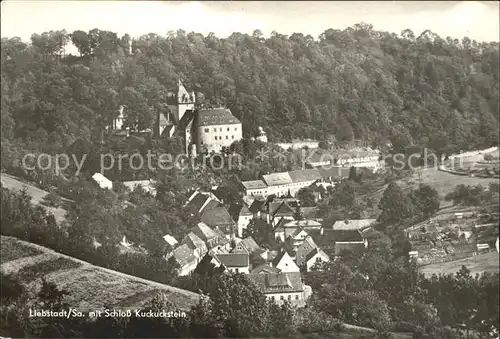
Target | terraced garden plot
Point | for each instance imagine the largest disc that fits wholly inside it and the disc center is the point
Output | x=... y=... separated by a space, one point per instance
x=10 y=250
x=31 y=273
x=89 y=286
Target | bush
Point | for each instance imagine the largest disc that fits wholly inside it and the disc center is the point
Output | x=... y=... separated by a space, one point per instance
x=52 y=199
x=489 y=157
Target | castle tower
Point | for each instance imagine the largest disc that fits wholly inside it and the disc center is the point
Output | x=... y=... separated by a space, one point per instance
x=184 y=101
x=120 y=120
x=262 y=135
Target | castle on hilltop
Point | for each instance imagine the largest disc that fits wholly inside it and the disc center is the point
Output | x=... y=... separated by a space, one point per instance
x=202 y=129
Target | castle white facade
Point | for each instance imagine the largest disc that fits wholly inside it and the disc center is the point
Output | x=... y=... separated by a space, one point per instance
x=202 y=129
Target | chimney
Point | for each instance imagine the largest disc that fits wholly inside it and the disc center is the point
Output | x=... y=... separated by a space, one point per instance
x=321 y=231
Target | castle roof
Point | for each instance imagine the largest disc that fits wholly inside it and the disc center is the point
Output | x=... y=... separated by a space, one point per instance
x=216 y=116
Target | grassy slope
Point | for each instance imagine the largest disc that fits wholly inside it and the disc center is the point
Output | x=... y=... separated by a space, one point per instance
x=36 y=194
x=90 y=287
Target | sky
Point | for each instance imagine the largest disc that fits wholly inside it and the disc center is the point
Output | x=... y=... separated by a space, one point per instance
x=477 y=20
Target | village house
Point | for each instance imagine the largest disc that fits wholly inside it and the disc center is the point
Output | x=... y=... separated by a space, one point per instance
x=258 y=208
x=102 y=181
x=357 y=224
x=247 y=245
x=234 y=262
x=297 y=238
x=282 y=184
x=197 y=245
x=277 y=211
x=186 y=259
x=214 y=240
x=218 y=218
x=285 y=263
x=307 y=246
x=265 y=269
x=315 y=257
x=315 y=159
x=255 y=187
x=146 y=185
x=279 y=287
x=286 y=228
x=199 y=201
x=340 y=241
x=242 y=216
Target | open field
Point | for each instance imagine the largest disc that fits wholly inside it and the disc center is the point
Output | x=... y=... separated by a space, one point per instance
x=443 y=182
x=90 y=287
x=37 y=195
x=487 y=262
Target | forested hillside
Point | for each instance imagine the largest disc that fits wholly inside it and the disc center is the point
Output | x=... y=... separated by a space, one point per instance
x=412 y=89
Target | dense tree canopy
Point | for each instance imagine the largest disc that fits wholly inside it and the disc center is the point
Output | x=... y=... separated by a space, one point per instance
x=356 y=83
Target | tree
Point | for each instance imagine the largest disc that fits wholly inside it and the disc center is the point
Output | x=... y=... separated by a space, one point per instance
x=426 y=200
x=297 y=215
x=394 y=205
x=353 y=175
x=306 y=197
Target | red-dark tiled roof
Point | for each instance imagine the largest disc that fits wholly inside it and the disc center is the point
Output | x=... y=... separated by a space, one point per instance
x=216 y=116
x=217 y=216
x=234 y=259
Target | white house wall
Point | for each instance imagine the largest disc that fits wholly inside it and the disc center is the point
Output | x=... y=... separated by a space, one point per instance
x=214 y=137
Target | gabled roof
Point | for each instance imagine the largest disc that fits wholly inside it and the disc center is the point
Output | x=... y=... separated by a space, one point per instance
x=254 y=184
x=309 y=212
x=258 y=206
x=297 y=231
x=334 y=236
x=275 y=179
x=216 y=116
x=193 y=241
x=353 y=224
x=302 y=223
x=201 y=201
x=316 y=251
x=309 y=241
x=234 y=259
x=278 y=209
x=265 y=268
x=333 y=172
x=204 y=232
x=304 y=175
x=217 y=216
x=237 y=210
x=147 y=185
x=249 y=244
x=339 y=248
x=283 y=253
x=184 y=255
x=278 y=282
x=170 y=240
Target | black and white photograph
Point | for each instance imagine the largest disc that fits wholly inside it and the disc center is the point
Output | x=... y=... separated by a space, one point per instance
x=250 y=169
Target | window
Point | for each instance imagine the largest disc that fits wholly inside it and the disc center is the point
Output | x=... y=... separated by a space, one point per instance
x=215 y=138
x=236 y=128
x=289 y=297
x=220 y=129
x=215 y=129
x=228 y=129
x=282 y=298
x=227 y=137
x=297 y=297
x=236 y=270
x=201 y=142
x=206 y=130
x=232 y=136
x=272 y=297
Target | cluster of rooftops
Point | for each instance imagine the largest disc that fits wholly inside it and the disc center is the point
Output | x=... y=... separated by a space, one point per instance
x=296 y=177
